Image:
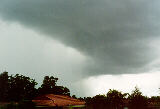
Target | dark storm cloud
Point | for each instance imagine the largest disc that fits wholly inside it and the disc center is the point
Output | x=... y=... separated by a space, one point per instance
x=114 y=34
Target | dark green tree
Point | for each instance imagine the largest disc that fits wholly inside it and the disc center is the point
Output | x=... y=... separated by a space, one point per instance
x=98 y=102
x=154 y=99
x=21 y=87
x=61 y=90
x=74 y=96
x=115 y=99
x=137 y=100
x=49 y=82
x=49 y=86
x=4 y=86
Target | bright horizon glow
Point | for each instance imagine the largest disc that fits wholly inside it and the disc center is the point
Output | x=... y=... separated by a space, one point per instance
x=148 y=83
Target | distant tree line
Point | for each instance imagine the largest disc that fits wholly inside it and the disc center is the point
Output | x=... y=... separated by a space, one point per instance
x=117 y=100
x=18 y=87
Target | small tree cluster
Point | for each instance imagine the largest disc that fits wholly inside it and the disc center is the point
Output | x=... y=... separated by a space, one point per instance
x=112 y=100
x=49 y=86
x=137 y=100
x=15 y=88
x=117 y=100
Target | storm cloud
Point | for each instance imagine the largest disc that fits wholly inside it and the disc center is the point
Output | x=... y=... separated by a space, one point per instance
x=117 y=36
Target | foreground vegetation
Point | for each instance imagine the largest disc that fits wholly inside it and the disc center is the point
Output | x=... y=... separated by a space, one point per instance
x=116 y=100
x=19 y=90
x=15 y=88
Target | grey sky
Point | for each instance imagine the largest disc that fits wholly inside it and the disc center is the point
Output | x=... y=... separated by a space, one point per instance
x=108 y=36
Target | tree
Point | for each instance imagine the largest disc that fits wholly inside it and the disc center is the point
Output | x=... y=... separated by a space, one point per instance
x=74 y=96
x=89 y=102
x=4 y=86
x=154 y=99
x=49 y=86
x=16 y=88
x=115 y=99
x=21 y=87
x=49 y=82
x=61 y=90
x=137 y=100
x=98 y=102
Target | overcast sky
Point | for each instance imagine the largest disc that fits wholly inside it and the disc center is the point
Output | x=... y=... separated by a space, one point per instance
x=90 y=45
